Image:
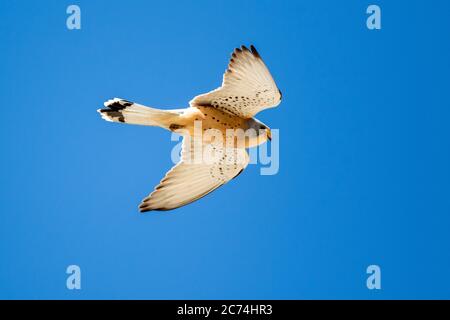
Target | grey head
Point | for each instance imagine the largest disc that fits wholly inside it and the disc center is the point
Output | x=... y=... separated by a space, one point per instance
x=259 y=127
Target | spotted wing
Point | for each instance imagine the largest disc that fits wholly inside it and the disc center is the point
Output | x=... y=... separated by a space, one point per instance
x=247 y=86
x=194 y=177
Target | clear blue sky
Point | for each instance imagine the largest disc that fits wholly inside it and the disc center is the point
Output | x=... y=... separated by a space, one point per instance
x=364 y=167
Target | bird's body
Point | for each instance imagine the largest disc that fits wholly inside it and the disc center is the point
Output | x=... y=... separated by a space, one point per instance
x=206 y=118
x=221 y=119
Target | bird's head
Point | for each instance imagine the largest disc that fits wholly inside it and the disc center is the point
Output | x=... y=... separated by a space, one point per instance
x=260 y=128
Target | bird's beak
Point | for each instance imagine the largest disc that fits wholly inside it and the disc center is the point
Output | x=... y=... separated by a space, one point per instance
x=269 y=134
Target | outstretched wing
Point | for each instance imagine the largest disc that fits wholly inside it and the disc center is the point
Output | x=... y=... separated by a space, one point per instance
x=247 y=86
x=192 y=178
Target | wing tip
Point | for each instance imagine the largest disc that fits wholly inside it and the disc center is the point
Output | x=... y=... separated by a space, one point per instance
x=255 y=52
x=144 y=206
x=244 y=48
x=144 y=209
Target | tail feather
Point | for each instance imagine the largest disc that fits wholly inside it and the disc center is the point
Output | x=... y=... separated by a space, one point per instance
x=120 y=110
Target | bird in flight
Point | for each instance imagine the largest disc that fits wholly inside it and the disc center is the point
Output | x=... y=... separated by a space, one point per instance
x=247 y=88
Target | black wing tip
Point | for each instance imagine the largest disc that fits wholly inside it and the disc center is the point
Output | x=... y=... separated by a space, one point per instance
x=255 y=52
x=144 y=208
x=281 y=94
x=244 y=48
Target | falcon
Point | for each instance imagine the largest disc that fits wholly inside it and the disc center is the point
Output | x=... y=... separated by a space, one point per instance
x=247 y=88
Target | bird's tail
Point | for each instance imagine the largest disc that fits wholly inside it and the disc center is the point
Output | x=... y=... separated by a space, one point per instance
x=120 y=110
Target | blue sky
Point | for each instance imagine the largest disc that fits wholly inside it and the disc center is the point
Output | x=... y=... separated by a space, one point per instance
x=364 y=152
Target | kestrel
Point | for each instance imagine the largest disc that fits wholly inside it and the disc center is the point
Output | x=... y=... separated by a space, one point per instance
x=247 y=88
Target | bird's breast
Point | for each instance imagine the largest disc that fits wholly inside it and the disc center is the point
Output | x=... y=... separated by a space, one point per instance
x=218 y=126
